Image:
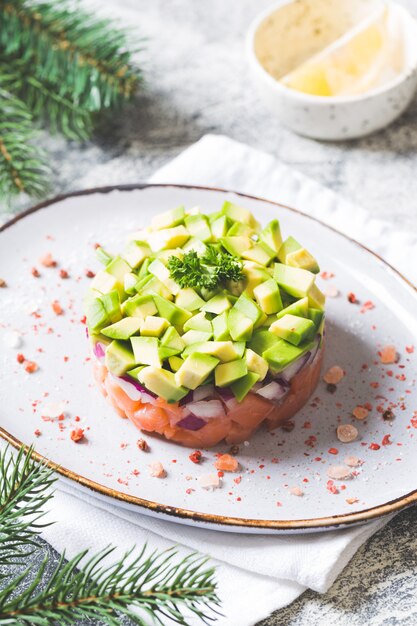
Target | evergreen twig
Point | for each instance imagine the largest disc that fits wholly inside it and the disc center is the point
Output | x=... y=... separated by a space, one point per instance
x=139 y=585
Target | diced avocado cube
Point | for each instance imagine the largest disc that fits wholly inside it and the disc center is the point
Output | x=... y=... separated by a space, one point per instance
x=238 y=229
x=165 y=255
x=162 y=383
x=287 y=247
x=153 y=326
x=300 y=308
x=195 y=369
x=256 y=363
x=241 y=387
x=240 y=326
x=161 y=272
x=223 y=350
x=260 y=253
x=136 y=252
x=239 y=214
x=240 y=347
x=236 y=246
x=175 y=362
x=219 y=227
x=146 y=350
x=255 y=274
x=168 y=238
x=103 y=256
x=248 y=307
x=197 y=226
x=104 y=282
x=118 y=267
x=271 y=235
x=134 y=373
x=169 y=219
x=293 y=329
x=123 y=329
x=195 y=336
x=283 y=353
x=316 y=315
x=188 y=299
x=119 y=358
x=172 y=339
x=97 y=315
x=111 y=302
x=173 y=313
x=129 y=283
x=143 y=269
x=293 y=280
x=217 y=305
x=194 y=210
x=220 y=327
x=139 y=306
x=199 y=322
x=196 y=245
x=304 y=259
x=316 y=298
x=262 y=340
x=262 y=321
x=226 y=373
x=165 y=353
x=154 y=285
x=268 y=296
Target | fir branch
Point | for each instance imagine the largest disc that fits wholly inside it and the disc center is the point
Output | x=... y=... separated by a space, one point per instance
x=69 y=45
x=149 y=585
x=22 y=165
x=25 y=487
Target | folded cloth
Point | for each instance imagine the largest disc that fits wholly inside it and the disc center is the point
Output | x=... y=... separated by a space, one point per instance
x=257 y=574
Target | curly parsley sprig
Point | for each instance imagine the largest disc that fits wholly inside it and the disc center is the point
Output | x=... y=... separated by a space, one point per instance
x=210 y=270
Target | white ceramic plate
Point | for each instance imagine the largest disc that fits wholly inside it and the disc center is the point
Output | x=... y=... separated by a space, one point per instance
x=258 y=499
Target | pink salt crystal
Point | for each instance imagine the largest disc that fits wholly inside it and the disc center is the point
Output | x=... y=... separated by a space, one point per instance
x=157 y=470
x=209 y=481
x=334 y=375
x=346 y=433
x=360 y=412
x=331 y=292
x=387 y=355
x=338 y=472
x=296 y=491
x=353 y=461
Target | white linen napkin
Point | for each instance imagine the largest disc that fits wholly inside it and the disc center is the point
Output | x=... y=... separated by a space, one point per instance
x=256 y=574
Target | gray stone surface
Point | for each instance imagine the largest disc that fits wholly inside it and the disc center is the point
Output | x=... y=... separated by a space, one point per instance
x=197 y=82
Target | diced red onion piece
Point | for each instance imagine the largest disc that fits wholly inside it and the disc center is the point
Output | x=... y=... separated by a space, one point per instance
x=273 y=391
x=226 y=393
x=231 y=404
x=129 y=389
x=191 y=422
x=138 y=385
x=295 y=367
x=203 y=392
x=99 y=350
x=206 y=409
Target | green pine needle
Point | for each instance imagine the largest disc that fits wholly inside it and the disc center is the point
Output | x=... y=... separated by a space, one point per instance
x=142 y=586
x=23 y=168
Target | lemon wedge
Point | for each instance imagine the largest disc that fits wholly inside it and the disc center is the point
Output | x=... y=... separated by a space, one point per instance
x=365 y=57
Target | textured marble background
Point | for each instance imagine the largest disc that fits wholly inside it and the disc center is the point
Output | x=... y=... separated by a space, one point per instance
x=197 y=82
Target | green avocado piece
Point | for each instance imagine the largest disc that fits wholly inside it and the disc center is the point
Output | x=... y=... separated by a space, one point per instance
x=103 y=256
x=198 y=227
x=240 y=326
x=161 y=272
x=256 y=363
x=146 y=350
x=135 y=253
x=227 y=373
x=293 y=280
x=293 y=329
x=103 y=282
x=118 y=267
x=168 y=238
x=153 y=326
x=134 y=373
x=196 y=245
x=154 y=286
x=103 y=310
x=219 y=226
x=316 y=315
x=220 y=327
x=217 y=305
x=139 y=306
x=175 y=362
x=171 y=339
x=236 y=245
x=168 y=219
x=170 y=311
x=129 y=283
x=123 y=329
x=271 y=235
x=238 y=229
x=304 y=259
x=268 y=296
x=241 y=387
x=162 y=382
x=199 y=322
x=165 y=353
x=239 y=214
x=299 y=307
x=316 y=298
x=195 y=369
x=287 y=247
x=119 y=358
x=248 y=307
x=260 y=253
x=262 y=340
x=188 y=299
x=195 y=336
x=283 y=353
x=254 y=275
x=143 y=269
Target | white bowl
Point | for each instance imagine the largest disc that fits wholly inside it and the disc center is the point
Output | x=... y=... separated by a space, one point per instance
x=303 y=28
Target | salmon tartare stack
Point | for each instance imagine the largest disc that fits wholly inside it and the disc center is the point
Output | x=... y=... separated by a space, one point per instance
x=207 y=326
